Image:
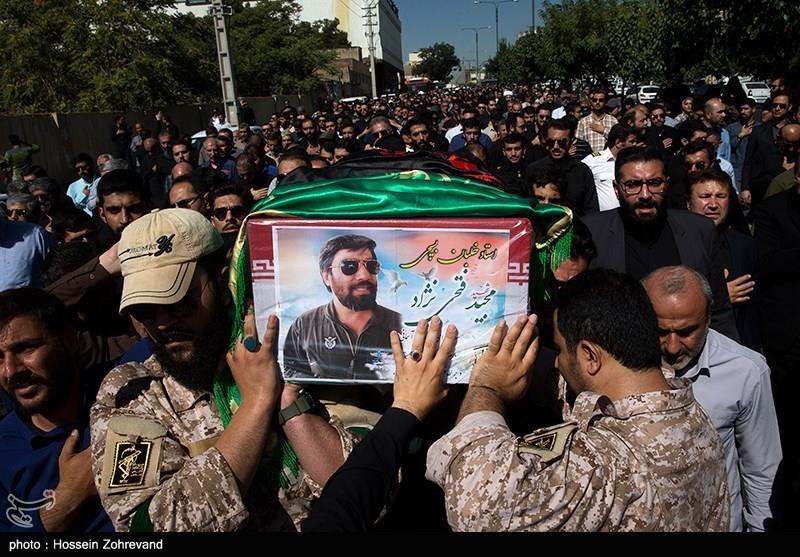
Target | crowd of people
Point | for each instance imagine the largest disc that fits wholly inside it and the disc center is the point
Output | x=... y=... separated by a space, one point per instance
x=651 y=392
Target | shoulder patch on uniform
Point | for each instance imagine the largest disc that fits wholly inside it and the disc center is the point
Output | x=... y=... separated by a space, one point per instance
x=548 y=443
x=132 y=454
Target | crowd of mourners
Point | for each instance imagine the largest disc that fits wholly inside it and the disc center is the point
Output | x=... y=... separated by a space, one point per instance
x=651 y=391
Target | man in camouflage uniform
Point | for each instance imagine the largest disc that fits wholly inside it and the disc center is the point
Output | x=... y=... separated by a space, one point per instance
x=162 y=457
x=637 y=451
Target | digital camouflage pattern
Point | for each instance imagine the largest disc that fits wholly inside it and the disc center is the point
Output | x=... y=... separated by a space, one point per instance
x=647 y=462
x=189 y=493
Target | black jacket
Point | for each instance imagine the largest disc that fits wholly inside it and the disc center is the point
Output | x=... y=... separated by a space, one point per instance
x=581 y=191
x=777 y=237
x=698 y=246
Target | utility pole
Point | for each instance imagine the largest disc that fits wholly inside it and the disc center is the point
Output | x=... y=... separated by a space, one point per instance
x=220 y=14
x=496 y=4
x=369 y=13
x=477 y=59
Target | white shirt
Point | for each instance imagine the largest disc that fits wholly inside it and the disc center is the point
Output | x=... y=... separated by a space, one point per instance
x=731 y=383
x=558 y=113
x=602 y=167
x=452 y=132
x=727 y=168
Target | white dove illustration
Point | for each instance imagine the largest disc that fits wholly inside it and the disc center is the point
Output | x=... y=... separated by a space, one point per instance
x=428 y=275
x=394 y=280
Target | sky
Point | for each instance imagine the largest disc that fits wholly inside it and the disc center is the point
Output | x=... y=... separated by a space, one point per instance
x=426 y=22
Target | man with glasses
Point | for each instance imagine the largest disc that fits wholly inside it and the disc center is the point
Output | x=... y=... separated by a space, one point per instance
x=642 y=235
x=340 y=339
x=228 y=209
x=659 y=135
x=700 y=155
x=80 y=190
x=595 y=127
x=581 y=193
x=22 y=207
x=764 y=160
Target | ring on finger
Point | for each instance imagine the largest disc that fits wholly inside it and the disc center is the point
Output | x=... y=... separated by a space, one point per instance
x=415 y=355
x=251 y=344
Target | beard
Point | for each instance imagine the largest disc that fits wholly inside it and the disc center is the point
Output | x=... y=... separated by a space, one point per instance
x=636 y=223
x=207 y=347
x=363 y=302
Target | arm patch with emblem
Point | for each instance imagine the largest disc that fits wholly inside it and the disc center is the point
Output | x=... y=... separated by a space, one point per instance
x=548 y=443
x=132 y=454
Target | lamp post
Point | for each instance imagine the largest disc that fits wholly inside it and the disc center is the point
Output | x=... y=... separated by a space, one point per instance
x=477 y=65
x=496 y=4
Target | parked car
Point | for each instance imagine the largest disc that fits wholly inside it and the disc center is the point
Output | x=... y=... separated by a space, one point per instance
x=646 y=93
x=756 y=90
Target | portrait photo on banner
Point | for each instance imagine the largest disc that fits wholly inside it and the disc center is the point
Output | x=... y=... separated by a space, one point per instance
x=340 y=287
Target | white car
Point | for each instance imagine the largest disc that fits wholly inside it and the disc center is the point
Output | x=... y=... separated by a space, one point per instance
x=756 y=90
x=646 y=93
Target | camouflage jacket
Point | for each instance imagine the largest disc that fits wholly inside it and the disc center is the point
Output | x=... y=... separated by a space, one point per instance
x=153 y=439
x=646 y=462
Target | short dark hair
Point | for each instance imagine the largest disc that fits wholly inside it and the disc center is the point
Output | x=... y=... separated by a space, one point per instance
x=583 y=246
x=543 y=175
x=749 y=101
x=471 y=123
x=70 y=220
x=559 y=124
x=712 y=174
x=619 y=132
x=635 y=154
x=120 y=181
x=700 y=145
x=337 y=244
x=514 y=137
x=83 y=157
x=689 y=127
x=32 y=302
x=612 y=310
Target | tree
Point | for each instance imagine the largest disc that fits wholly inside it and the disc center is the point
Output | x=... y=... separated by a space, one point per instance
x=273 y=53
x=85 y=55
x=437 y=61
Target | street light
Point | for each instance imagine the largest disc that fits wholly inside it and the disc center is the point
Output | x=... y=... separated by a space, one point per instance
x=477 y=65
x=496 y=4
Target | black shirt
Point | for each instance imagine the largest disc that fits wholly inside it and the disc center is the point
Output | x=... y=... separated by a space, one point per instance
x=649 y=249
x=355 y=495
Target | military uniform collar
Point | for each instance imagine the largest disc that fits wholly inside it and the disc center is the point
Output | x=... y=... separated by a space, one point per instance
x=590 y=406
x=181 y=397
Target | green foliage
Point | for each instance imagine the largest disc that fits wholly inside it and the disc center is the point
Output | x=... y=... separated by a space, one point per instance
x=655 y=40
x=437 y=61
x=274 y=53
x=89 y=55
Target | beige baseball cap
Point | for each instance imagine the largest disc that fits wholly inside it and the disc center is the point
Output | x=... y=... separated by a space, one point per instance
x=159 y=252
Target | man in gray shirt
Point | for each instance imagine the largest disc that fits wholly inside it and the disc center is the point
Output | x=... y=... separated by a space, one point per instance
x=729 y=381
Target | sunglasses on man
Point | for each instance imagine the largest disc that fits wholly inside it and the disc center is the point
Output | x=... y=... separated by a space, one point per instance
x=237 y=212
x=350 y=267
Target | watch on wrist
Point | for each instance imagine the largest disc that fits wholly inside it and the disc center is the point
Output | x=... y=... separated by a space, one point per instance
x=306 y=403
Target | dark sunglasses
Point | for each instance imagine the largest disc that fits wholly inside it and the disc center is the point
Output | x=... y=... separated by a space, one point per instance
x=237 y=212
x=598 y=99
x=136 y=209
x=560 y=142
x=699 y=165
x=18 y=212
x=350 y=267
x=81 y=167
x=780 y=105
